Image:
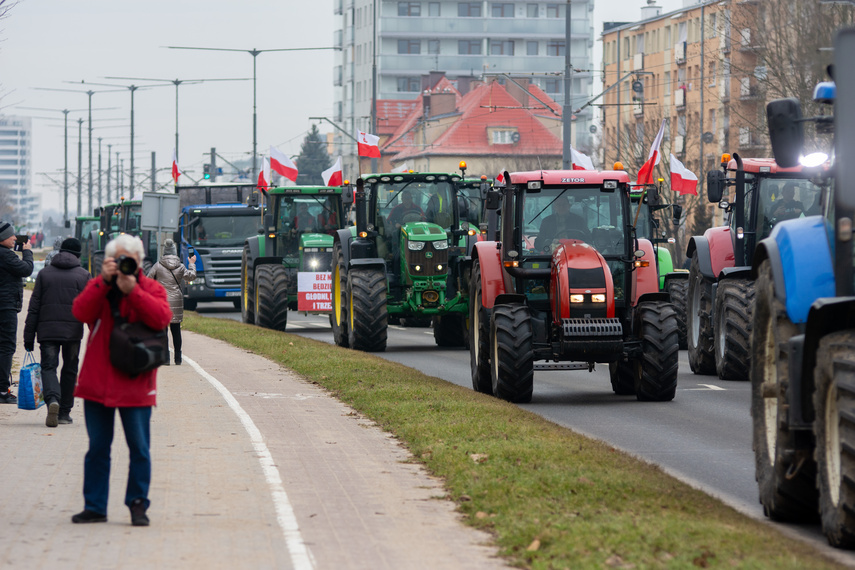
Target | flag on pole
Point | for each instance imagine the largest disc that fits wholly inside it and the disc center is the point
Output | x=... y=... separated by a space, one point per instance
x=402 y=168
x=683 y=180
x=333 y=175
x=645 y=173
x=282 y=164
x=500 y=179
x=367 y=144
x=580 y=161
x=176 y=172
x=264 y=175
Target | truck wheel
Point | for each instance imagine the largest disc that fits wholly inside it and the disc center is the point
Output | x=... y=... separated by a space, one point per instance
x=479 y=336
x=834 y=431
x=338 y=317
x=679 y=289
x=699 y=324
x=511 y=354
x=623 y=376
x=450 y=330
x=367 y=324
x=271 y=296
x=734 y=304
x=786 y=478
x=247 y=289
x=660 y=352
x=97 y=262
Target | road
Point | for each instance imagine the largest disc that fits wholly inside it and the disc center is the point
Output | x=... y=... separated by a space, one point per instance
x=702 y=437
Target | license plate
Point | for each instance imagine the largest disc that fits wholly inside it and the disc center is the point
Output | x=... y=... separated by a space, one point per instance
x=232 y=293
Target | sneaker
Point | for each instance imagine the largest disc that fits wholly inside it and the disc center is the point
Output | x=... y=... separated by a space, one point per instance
x=52 y=413
x=8 y=398
x=64 y=419
x=87 y=516
x=138 y=516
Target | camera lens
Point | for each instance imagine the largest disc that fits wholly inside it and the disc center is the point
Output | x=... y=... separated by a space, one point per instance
x=127 y=264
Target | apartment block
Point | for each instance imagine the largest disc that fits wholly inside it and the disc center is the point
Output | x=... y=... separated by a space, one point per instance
x=16 y=176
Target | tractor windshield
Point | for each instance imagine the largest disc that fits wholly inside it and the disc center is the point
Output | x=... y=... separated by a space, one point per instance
x=471 y=203
x=299 y=214
x=782 y=199
x=399 y=202
x=642 y=225
x=222 y=231
x=134 y=216
x=86 y=228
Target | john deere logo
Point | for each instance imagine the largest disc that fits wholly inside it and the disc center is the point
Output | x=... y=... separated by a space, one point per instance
x=429 y=254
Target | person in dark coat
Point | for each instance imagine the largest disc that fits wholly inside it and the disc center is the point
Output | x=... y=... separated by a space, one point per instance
x=170 y=272
x=12 y=271
x=49 y=318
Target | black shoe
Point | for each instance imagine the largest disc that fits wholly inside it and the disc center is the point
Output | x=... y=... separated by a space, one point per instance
x=64 y=418
x=87 y=516
x=8 y=398
x=178 y=359
x=138 y=516
x=52 y=413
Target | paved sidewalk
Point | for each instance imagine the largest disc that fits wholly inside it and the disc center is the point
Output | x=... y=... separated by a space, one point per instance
x=317 y=487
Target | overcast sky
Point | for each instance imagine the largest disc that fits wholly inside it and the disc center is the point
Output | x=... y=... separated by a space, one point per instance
x=45 y=43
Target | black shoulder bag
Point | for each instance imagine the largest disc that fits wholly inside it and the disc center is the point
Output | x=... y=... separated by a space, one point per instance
x=135 y=347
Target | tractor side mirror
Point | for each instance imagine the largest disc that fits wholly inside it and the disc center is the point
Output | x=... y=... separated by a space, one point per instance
x=253 y=199
x=676 y=213
x=786 y=131
x=67 y=223
x=463 y=207
x=347 y=194
x=493 y=200
x=715 y=185
x=653 y=196
x=268 y=223
x=96 y=212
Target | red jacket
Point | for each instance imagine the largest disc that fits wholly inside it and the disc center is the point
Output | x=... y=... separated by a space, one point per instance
x=99 y=381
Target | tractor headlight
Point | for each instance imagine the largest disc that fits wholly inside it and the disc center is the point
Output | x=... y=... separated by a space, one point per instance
x=440 y=244
x=417 y=268
x=598 y=298
x=314 y=263
x=577 y=298
x=415 y=245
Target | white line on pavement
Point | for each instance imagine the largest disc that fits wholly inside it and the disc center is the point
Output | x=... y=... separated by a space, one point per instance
x=300 y=555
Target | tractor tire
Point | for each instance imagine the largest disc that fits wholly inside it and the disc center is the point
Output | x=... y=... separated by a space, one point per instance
x=511 y=353
x=247 y=289
x=733 y=308
x=97 y=261
x=660 y=352
x=338 y=317
x=785 y=478
x=623 y=376
x=190 y=304
x=236 y=304
x=699 y=321
x=834 y=433
x=367 y=314
x=271 y=296
x=450 y=330
x=678 y=289
x=479 y=336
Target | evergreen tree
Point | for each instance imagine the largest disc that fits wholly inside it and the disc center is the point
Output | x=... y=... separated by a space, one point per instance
x=313 y=159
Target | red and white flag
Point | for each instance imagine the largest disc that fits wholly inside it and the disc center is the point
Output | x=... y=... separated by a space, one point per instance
x=581 y=161
x=333 y=176
x=282 y=164
x=368 y=145
x=645 y=173
x=264 y=175
x=683 y=180
x=176 y=172
x=402 y=168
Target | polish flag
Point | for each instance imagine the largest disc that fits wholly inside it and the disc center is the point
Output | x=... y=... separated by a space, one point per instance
x=176 y=172
x=645 y=173
x=264 y=176
x=581 y=161
x=333 y=175
x=683 y=180
x=500 y=179
x=402 y=168
x=367 y=145
x=282 y=164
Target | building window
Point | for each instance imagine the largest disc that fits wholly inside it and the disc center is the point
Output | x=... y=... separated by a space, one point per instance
x=502 y=47
x=531 y=48
x=409 y=84
x=553 y=85
x=503 y=136
x=469 y=9
x=433 y=9
x=409 y=46
x=409 y=8
x=469 y=47
x=555 y=10
x=433 y=46
x=555 y=47
x=531 y=10
x=502 y=10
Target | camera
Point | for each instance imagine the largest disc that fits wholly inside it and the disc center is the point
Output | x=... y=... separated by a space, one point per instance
x=20 y=241
x=126 y=264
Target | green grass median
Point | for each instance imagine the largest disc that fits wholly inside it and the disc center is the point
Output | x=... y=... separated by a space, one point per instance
x=550 y=497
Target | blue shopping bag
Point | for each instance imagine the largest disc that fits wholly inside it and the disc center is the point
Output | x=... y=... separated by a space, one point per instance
x=30 y=394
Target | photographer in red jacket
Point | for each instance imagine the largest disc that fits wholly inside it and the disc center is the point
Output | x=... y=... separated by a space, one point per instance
x=105 y=389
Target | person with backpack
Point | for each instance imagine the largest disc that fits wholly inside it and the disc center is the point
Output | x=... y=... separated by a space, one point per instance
x=170 y=272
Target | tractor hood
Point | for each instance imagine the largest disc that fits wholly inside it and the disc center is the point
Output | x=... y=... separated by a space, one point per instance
x=423 y=231
x=316 y=240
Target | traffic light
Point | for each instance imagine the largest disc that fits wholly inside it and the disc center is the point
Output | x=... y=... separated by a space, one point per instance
x=207 y=171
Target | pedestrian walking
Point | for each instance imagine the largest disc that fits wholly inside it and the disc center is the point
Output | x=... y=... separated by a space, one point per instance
x=105 y=389
x=49 y=318
x=169 y=272
x=12 y=271
x=57 y=244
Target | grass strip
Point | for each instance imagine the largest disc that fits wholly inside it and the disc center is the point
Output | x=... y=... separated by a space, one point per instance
x=550 y=497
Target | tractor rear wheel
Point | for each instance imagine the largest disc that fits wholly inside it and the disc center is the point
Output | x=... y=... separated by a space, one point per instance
x=338 y=317
x=678 y=289
x=834 y=431
x=450 y=330
x=479 y=336
x=623 y=376
x=271 y=301
x=699 y=323
x=367 y=314
x=734 y=303
x=786 y=477
x=247 y=289
x=660 y=352
x=511 y=354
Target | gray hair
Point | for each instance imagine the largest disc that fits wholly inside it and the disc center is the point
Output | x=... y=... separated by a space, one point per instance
x=131 y=244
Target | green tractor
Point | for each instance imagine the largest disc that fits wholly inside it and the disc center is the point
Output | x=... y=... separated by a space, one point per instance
x=287 y=265
x=406 y=258
x=83 y=228
x=123 y=217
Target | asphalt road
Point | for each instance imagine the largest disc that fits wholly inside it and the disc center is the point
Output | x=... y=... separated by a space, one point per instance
x=702 y=437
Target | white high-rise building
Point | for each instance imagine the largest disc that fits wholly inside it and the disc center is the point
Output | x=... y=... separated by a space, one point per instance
x=16 y=176
x=480 y=40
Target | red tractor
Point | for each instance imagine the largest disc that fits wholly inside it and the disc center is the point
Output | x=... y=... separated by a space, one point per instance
x=568 y=283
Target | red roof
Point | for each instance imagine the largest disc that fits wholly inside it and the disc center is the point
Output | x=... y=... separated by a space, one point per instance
x=391 y=113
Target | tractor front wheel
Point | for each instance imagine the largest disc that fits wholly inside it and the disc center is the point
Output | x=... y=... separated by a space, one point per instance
x=678 y=289
x=271 y=296
x=623 y=376
x=734 y=302
x=450 y=330
x=338 y=317
x=660 y=352
x=699 y=323
x=367 y=313
x=479 y=336
x=247 y=289
x=511 y=354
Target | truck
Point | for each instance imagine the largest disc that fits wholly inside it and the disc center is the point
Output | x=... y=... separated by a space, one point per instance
x=287 y=266
x=406 y=258
x=568 y=289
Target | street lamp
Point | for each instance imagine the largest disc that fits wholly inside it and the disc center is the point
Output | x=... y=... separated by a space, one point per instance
x=254 y=53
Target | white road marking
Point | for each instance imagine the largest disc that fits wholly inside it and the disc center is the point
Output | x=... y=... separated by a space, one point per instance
x=706 y=388
x=300 y=555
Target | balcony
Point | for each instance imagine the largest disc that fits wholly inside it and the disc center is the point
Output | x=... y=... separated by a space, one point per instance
x=680 y=98
x=337 y=76
x=638 y=62
x=637 y=108
x=509 y=28
x=680 y=52
x=749 y=139
x=398 y=64
x=337 y=7
x=678 y=146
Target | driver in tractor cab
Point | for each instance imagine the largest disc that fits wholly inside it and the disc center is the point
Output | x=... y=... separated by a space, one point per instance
x=561 y=224
x=328 y=219
x=439 y=212
x=788 y=208
x=407 y=206
x=303 y=221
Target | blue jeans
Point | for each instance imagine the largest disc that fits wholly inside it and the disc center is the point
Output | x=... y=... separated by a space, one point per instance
x=60 y=389
x=96 y=466
x=8 y=343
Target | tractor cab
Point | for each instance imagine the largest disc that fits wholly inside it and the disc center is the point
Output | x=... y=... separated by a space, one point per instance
x=304 y=226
